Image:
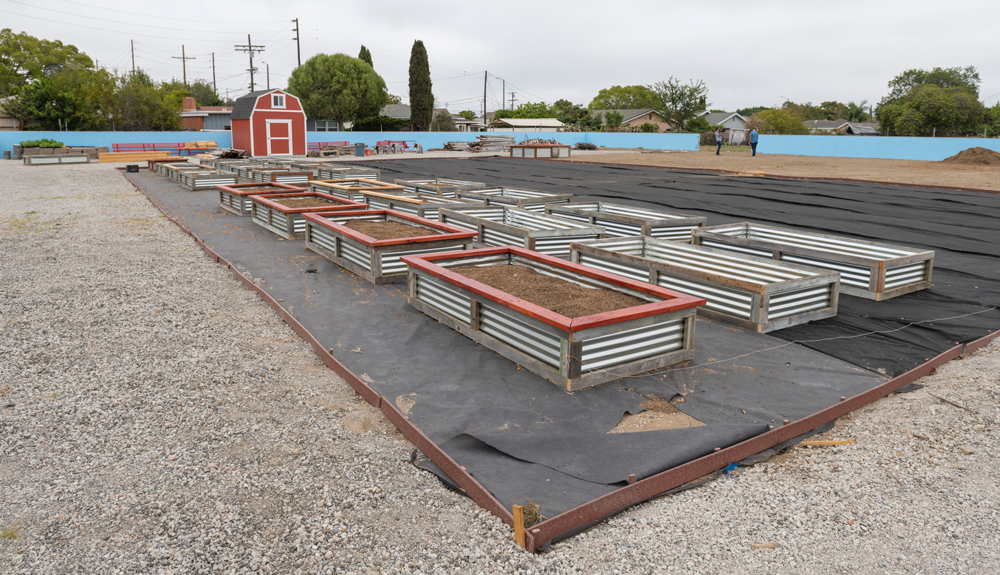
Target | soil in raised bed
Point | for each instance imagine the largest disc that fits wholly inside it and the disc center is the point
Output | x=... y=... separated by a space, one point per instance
x=563 y=297
x=307 y=202
x=389 y=230
x=263 y=189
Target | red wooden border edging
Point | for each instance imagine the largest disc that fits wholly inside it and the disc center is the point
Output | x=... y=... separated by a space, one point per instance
x=452 y=232
x=268 y=200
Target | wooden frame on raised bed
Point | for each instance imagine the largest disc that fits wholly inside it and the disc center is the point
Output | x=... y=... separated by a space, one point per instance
x=867 y=269
x=620 y=220
x=290 y=223
x=573 y=353
x=173 y=171
x=161 y=167
x=378 y=261
x=420 y=205
x=342 y=172
x=506 y=226
x=235 y=198
x=204 y=179
x=438 y=186
x=756 y=293
x=548 y=151
x=531 y=200
x=352 y=188
x=282 y=176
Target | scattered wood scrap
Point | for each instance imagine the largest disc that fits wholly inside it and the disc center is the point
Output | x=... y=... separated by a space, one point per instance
x=482 y=144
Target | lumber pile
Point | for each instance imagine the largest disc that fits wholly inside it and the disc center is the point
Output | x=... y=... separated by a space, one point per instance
x=111 y=157
x=200 y=145
x=482 y=144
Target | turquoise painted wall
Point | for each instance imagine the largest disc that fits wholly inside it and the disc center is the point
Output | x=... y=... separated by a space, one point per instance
x=9 y=139
x=929 y=149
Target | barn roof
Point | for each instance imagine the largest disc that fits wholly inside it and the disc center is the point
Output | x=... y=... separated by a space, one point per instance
x=244 y=106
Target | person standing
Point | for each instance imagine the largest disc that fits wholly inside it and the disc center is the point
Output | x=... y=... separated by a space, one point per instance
x=753 y=142
x=718 y=140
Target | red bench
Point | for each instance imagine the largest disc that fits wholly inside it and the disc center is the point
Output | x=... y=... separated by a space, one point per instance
x=320 y=145
x=171 y=147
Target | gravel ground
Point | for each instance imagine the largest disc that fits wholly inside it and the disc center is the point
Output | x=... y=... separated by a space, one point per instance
x=156 y=417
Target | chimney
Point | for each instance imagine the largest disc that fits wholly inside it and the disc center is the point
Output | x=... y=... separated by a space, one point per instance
x=189 y=104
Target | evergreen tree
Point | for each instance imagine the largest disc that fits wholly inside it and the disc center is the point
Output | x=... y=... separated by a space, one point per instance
x=366 y=56
x=421 y=97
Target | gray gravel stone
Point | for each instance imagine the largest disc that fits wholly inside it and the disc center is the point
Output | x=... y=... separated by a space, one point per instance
x=156 y=417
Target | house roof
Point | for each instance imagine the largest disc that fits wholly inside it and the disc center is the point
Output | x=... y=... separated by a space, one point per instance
x=244 y=105
x=714 y=118
x=826 y=124
x=397 y=111
x=530 y=122
x=862 y=130
x=215 y=109
x=627 y=115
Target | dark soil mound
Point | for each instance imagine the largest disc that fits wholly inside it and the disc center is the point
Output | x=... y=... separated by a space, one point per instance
x=975 y=157
x=388 y=230
x=560 y=296
x=307 y=202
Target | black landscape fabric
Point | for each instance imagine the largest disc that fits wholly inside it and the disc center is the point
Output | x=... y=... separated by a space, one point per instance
x=513 y=430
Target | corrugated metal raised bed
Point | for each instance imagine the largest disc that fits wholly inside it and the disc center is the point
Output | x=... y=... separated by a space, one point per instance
x=152 y=163
x=420 y=205
x=204 y=179
x=504 y=226
x=761 y=294
x=162 y=167
x=624 y=221
x=277 y=162
x=221 y=164
x=531 y=200
x=307 y=166
x=235 y=198
x=439 y=186
x=173 y=171
x=867 y=269
x=245 y=171
x=352 y=188
x=377 y=260
x=282 y=176
x=342 y=172
x=290 y=223
x=573 y=353
x=50 y=160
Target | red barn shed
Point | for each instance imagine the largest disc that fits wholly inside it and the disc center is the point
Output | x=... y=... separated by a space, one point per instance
x=269 y=123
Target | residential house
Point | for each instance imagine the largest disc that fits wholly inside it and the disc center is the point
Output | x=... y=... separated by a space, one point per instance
x=526 y=125
x=7 y=122
x=842 y=127
x=728 y=120
x=462 y=124
x=205 y=118
x=486 y=119
x=635 y=118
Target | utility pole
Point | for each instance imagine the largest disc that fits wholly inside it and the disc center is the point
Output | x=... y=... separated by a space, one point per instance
x=298 y=46
x=268 y=75
x=215 y=87
x=485 y=75
x=251 y=48
x=512 y=100
x=503 y=92
x=132 y=42
x=183 y=58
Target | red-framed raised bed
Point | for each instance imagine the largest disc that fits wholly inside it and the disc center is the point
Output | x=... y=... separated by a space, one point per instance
x=378 y=261
x=439 y=186
x=420 y=205
x=282 y=176
x=352 y=188
x=573 y=353
x=268 y=212
x=235 y=198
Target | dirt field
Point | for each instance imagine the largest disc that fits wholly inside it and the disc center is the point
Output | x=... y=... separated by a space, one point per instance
x=739 y=160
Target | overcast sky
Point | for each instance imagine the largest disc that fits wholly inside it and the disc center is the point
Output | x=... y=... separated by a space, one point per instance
x=749 y=53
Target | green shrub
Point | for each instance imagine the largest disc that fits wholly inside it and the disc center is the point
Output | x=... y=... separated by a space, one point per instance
x=43 y=143
x=649 y=128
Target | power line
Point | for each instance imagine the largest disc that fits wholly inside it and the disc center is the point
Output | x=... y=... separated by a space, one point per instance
x=126 y=23
x=107 y=30
x=157 y=16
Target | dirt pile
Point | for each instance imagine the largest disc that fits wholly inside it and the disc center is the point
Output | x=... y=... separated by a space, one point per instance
x=975 y=157
x=389 y=230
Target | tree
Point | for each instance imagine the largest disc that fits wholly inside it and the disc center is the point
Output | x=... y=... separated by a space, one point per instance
x=141 y=105
x=930 y=109
x=747 y=112
x=574 y=116
x=901 y=85
x=782 y=121
x=421 y=94
x=393 y=99
x=442 y=122
x=680 y=101
x=24 y=58
x=338 y=87
x=833 y=110
x=649 y=128
x=614 y=119
x=626 y=98
x=698 y=125
x=468 y=114
x=526 y=110
x=855 y=112
x=805 y=111
x=366 y=56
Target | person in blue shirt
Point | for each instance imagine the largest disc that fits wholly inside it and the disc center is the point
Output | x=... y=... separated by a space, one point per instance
x=718 y=140
x=753 y=142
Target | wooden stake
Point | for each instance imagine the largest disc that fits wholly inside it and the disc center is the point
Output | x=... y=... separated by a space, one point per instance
x=519 y=526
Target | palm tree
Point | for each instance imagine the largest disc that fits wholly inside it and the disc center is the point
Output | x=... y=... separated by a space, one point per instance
x=856 y=112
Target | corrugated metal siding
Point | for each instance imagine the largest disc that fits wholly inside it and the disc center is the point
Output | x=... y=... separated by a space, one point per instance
x=356 y=253
x=902 y=275
x=520 y=335
x=459 y=223
x=672 y=233
x=708 y=243
x=616 y=229
x=632 y=345
x=798 y=301
x=577 y=278
x=493 y=237
x=850 y=274
x=559 y=245
x=619 y=268
x=719 y=298
x=321 y=236
x=441 y=296
x=721 y=264
x=392 y=265
x=298 y=179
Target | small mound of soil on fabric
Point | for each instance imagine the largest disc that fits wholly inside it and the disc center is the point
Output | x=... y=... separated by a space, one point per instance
x=563 y=297
x=388 y=230
x=975 y=157
x=307 y=202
